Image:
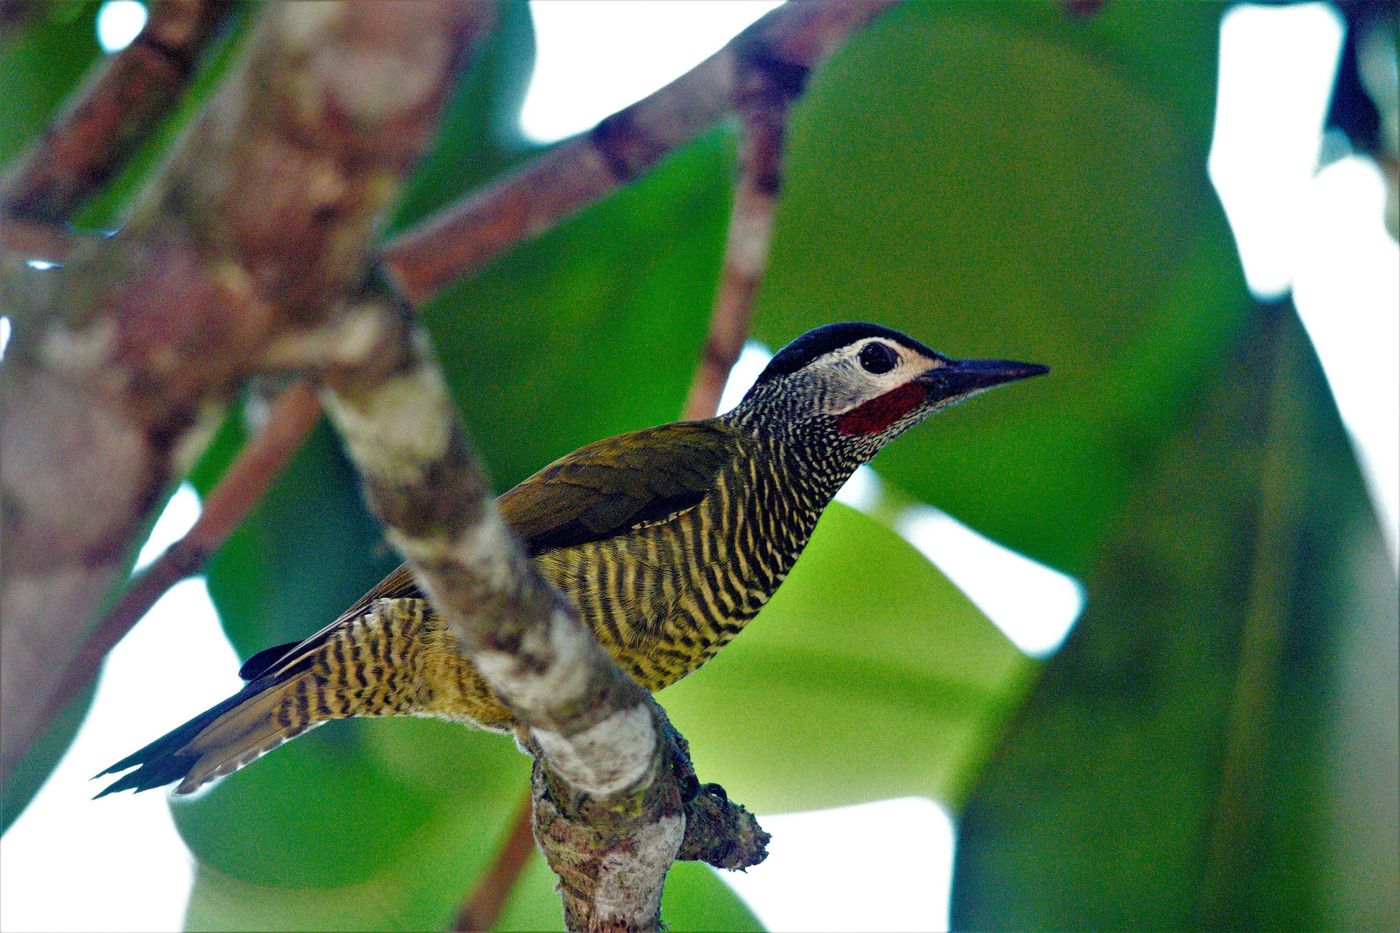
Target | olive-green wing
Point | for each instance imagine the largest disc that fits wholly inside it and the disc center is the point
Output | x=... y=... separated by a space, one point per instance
x=615 y=485
x=596 y=492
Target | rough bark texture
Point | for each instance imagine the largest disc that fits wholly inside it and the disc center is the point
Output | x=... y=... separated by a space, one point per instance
x=611 y=777
x=121 y=360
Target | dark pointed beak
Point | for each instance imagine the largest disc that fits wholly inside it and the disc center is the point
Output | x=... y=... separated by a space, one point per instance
x=958 y=379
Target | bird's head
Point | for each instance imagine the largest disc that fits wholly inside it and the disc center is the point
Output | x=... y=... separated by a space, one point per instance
x=859 y=386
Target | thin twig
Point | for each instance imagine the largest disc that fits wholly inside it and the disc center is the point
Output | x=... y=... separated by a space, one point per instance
x=293 y=415
x=766 y=89
x=493 y=889
x=534 y=199
x=120 y=106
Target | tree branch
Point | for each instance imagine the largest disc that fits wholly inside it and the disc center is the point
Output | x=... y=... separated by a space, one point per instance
x=291 y=418
x=764 y=95
x=763 y=90
x=120 y=365
x=493 y=888
x=122 y=101
x=534 y=199
x=609 y=770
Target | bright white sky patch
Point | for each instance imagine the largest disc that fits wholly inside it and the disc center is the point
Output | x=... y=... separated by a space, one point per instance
x=136 y=872
x=118 y=23
x=1032 y=604
x=1276 y=67
x=886 y=865
x=1347 y=290
x=744 y=374
x=4 y=335
x=594 y=57
x=134 y=869
x=179 y=516
x=862 y=491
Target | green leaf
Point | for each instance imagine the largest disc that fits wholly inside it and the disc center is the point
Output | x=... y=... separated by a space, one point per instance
x=305 y=553
x=42 y=63
x=868 y=675
x=352 y=834
x=1215 y=745
x=1001 y=180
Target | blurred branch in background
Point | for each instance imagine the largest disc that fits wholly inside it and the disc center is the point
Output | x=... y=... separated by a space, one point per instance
x=762 y=95
x=765 y=83
x=556 y=185
x=766 y=87
x=289 y=420
x=153 y=328
x=112 y=114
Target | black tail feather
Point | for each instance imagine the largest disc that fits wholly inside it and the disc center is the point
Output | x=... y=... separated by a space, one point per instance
x=260 y=663
x=160 y=762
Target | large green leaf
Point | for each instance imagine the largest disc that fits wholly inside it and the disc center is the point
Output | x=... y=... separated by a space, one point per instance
x=377 y=826
x=1215 y=745
x=869 y=675
x=41 y=64
x=1000 y=179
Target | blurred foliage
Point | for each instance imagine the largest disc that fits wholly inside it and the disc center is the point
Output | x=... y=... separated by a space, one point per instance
x=1189 y=759
x=42 y=62
x=998 y=179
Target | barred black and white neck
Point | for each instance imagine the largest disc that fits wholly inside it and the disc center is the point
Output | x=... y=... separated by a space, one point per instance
x=831 y=399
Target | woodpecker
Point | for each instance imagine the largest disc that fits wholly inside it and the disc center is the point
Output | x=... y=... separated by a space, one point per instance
x=667 y=541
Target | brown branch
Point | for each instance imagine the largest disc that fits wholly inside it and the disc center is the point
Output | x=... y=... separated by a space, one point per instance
x=293 y=415
x=534 y=199
x=766 y=90
x=117 y=108
x=611 y=777
x=492 y=890
x=145 y=335
x=599 y=763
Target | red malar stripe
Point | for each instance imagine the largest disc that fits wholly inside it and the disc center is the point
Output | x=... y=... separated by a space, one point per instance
x=880 y=412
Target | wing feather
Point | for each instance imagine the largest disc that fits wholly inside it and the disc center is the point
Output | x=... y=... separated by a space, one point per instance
x=596 y=492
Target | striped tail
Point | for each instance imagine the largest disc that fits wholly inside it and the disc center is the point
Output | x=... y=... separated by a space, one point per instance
x=218 y=741
x=393 y=657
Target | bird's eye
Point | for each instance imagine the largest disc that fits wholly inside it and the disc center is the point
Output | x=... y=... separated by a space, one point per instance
x=877 y=358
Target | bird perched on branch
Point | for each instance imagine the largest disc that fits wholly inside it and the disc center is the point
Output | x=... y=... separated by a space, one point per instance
x=667 y=541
